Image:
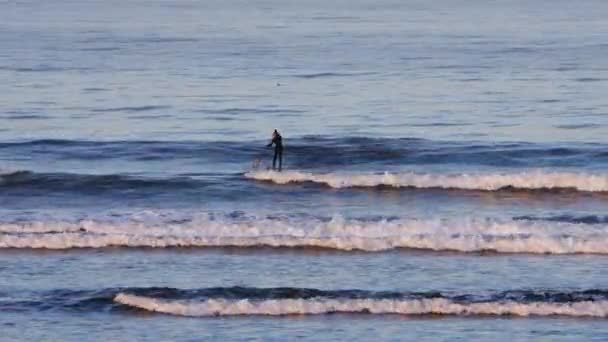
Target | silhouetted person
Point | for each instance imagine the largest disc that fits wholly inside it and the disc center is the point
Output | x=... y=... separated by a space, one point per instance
x=277 y=140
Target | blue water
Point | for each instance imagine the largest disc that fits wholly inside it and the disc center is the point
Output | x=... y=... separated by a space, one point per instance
x=446 y=170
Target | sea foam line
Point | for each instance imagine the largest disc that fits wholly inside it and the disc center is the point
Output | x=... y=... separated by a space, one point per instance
x=463 y=235
x=533 y=179
x=316 y=306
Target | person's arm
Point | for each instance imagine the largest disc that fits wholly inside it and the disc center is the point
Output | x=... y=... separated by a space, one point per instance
x=273 y=141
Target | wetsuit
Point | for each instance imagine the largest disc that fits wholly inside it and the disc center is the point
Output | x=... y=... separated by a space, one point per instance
x=277 y=140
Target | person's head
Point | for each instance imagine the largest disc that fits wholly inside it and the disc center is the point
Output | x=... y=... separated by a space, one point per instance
x=275 y=133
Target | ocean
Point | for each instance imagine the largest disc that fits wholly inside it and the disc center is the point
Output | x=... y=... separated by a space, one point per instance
x=445 y=170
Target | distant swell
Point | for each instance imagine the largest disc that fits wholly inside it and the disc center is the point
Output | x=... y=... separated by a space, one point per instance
x=129 y=109
x=527 y=180
x=23 y=180
x=333 y=74
x=461 y=235
x=314 y=152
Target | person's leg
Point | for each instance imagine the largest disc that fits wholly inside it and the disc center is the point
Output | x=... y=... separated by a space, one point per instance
x=280 y=159
x=274 y=159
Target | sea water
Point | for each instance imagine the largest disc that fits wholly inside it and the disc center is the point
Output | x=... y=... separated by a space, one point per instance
x=445 y=170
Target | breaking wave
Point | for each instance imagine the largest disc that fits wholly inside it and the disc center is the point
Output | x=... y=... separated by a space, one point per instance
x=206 y=230
x=314 y=302
x=220 y=301
x=526 y=180
x=281 y=307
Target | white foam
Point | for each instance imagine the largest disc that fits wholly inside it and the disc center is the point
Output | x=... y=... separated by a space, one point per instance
x=464 y=235
x=315 y=306
x=533 y=179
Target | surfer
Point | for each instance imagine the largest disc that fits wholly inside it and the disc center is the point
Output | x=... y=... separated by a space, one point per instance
x=277 y=140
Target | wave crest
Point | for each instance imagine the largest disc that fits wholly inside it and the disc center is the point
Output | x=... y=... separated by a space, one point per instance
x=530 y=180
x=315 y=306
x=297 y=301
x=462 y=235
